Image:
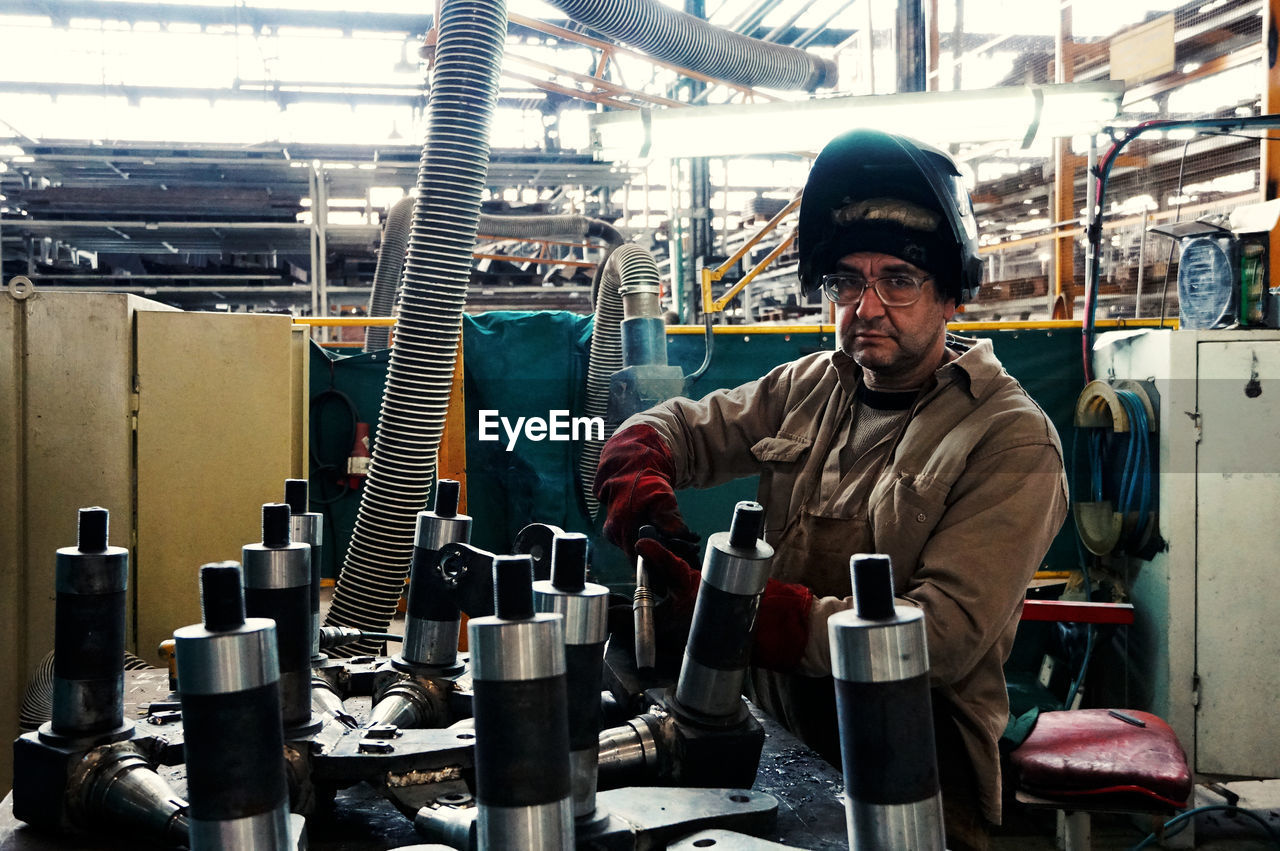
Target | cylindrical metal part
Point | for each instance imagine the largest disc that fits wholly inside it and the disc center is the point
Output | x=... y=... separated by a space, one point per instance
x=408 y=704
x=629 y=750
x=229 y=683
x=523 y=783
x=646 y=649
x=640 y=298
x=454 y=827
x=325 y=698
x=644 y=341
x=117 y=785
x=881 y=669
x=586 y=613
x=307 y=527
x=734 y=572
x=432 y=621
x=277 y=585
x=89 y=633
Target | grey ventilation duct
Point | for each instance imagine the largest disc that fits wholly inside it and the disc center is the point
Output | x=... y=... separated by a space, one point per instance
x=690 y=42
x=446 y=213
x=386 y=275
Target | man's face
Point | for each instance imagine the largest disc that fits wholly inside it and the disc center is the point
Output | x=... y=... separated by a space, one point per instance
x=897 y=347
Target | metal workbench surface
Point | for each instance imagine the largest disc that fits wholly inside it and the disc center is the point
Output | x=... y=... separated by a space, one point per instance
x=808 y=789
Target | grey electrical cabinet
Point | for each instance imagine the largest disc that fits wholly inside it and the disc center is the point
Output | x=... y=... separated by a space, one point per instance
x=181 y=424
x=1205 y=633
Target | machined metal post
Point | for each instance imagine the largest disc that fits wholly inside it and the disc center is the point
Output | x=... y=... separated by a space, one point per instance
x=88 y=662
x=523 y=784
x=229 y=682
x=881 y=668
x=277 y=585
x=87 y=767
x=307 y=527
x=585 y=608
x=735 y=570
x=432 y=621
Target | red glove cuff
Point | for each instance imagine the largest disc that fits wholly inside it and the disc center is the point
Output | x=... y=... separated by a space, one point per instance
x=633 y=484
x=782 y=625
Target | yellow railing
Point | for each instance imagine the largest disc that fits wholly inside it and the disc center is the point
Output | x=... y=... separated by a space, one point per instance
x=710 y=276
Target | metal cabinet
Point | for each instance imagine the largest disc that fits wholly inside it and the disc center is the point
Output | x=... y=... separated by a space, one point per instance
x=181 y=424
x=1206 y=638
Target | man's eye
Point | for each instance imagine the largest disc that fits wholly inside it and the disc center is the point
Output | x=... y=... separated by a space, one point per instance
x=900 y=283
x=851 y=284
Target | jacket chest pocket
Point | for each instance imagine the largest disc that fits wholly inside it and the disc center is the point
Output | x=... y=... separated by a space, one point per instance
x=904 y=517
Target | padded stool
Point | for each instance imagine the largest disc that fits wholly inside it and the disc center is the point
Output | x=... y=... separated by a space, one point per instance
x=1094 y=760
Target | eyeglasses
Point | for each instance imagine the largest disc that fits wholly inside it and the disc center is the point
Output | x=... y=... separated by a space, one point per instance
x=893 y=290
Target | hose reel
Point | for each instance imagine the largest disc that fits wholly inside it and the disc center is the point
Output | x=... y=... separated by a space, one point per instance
x=1119 y=419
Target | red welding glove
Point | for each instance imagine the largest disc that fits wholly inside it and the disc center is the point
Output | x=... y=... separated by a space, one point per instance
x=782 y=626
x=633 y=484
x=672 y=576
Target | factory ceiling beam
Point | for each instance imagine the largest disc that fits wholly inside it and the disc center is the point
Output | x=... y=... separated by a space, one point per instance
x=62 y=12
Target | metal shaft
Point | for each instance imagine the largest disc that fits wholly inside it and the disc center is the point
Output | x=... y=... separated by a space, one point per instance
x=523 y=784
x=432 y=621
x=277 y=585
x=88 y=666
x=229 y=681
x=307 y=527
x=881 y=668
x=734 y=572
x=585 y=608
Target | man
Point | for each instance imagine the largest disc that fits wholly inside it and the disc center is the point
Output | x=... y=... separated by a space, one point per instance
x=905 y=441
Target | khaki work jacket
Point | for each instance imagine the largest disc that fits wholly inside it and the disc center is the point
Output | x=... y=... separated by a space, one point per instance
x=965 y=498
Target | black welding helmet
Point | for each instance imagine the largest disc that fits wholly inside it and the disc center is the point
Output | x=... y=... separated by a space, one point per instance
x=874 y=191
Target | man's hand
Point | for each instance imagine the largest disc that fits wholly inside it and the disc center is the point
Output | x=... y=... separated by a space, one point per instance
x=633 y=484
x=782 y=626
x=672 y=576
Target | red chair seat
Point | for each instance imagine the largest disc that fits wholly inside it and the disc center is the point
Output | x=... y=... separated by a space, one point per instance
x=1091 y=757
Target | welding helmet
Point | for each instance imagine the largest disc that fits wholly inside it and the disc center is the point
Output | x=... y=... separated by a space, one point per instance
x=874 y=191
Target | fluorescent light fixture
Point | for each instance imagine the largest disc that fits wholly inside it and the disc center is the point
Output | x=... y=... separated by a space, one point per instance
x=1017 y=113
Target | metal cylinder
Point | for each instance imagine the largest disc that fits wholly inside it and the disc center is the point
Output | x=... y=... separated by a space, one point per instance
x=432 y=621
x=89 y=630
x=734 y=572
x=277 y=585
x=630 y=752
x=881 y=668
x=115 y=784
x=523 y=788
x=644 y=341
x=307 y=527
x=585 y=608
x=229 y=683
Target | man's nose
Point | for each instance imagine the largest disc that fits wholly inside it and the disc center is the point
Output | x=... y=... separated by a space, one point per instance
x=870 y=305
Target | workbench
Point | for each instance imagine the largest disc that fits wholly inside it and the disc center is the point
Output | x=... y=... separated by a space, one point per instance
x=808 y=789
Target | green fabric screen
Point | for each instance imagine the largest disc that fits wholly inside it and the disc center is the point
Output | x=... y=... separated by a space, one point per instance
x=528 y=364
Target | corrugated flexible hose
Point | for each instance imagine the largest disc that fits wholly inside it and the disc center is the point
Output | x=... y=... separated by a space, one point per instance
x=629 y=265
x=386 y=275
x=689 y=41
x=446 y=213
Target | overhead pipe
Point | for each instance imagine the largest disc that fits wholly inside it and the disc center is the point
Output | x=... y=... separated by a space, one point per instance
x=386 y=277
x=691 y=42
x=446 y=213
